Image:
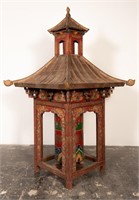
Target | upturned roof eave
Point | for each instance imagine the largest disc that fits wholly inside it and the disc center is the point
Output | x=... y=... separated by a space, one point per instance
x=77 y=73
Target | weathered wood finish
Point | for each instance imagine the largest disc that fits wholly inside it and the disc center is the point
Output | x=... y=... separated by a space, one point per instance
x=67 y=72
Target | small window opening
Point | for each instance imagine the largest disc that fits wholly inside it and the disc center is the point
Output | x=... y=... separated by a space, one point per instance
x=76 y=48
x=61 y=48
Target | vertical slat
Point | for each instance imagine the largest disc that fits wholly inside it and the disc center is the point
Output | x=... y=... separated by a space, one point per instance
x=101 y=133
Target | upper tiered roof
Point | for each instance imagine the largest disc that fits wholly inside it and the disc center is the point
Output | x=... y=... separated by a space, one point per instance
x=68 y=24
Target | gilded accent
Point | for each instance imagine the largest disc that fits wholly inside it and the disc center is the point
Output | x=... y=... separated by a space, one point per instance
x=76 y=112
x=68 y=96
x=94 y=94
x=67 y=85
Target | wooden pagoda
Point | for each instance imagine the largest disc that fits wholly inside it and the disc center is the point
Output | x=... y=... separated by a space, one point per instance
x=68 y=86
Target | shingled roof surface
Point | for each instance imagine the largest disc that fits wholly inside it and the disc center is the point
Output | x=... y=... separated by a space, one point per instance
x=69 y=72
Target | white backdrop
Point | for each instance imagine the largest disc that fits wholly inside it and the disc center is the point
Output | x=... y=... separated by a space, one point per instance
x=111 y=44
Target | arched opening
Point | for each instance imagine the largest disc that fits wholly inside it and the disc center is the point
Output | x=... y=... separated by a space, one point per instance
x=90 y=129
x=76 y=47
x=61 y=47
x=48 y=134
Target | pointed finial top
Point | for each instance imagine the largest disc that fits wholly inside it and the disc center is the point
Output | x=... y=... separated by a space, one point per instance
x=68 y=12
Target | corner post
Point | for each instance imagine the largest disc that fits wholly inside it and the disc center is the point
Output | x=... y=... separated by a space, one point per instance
x=68 y=147
x=38 y=136
x=100 y=121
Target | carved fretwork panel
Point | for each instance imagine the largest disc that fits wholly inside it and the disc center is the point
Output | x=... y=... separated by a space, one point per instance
x=73 y=96
x=59 y=111
x=76 y=112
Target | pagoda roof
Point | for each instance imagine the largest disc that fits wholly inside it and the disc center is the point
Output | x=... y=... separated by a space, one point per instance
x=67 y=24
x=69 y=72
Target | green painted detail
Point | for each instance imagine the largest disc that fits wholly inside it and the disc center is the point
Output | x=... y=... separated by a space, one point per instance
x=79 y=151
x=58 y=126
x=79 y=126
x=79 y=155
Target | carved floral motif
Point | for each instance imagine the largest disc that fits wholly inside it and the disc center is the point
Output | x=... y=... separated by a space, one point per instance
x=77 y=96
x=59 y=97
x=94 y=94
x=76 y=112
x=59 y=111
x=43 y=95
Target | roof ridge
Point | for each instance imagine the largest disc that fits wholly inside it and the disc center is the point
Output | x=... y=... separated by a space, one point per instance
x=68 y=76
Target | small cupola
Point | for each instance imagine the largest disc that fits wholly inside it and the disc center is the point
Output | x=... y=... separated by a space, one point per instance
x=68 y=36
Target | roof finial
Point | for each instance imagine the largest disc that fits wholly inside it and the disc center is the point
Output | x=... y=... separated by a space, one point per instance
x=130 y=82
x=8 y=82
x=68 y=12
